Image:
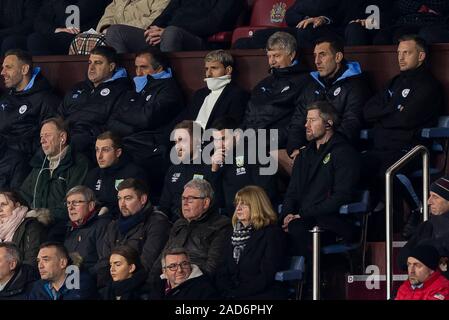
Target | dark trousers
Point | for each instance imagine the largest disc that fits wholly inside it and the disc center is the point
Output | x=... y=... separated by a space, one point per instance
x=48 y=44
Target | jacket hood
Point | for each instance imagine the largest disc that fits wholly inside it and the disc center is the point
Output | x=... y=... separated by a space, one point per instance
x=352 y=69
x=141 y=82
x=118 y=74
x=41 y=214
x=37 y=83
x=295 y=67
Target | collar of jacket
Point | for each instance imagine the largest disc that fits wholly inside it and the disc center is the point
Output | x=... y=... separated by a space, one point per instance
x=126 y=224
x=141 y=82
x=37 y=83
x=123 y=160
x=91 y=216
x=204 y=217
x=119 y=74
x=414 y=72
x=131 y=285
x=67 y=161
x=294 y=68
x=352 y=69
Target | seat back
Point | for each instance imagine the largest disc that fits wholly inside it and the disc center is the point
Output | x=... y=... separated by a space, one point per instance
x=269 y=13
x=295 y=273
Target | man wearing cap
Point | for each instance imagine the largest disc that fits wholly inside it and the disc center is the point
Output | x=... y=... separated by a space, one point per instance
x=425 y=281
x=435 y=230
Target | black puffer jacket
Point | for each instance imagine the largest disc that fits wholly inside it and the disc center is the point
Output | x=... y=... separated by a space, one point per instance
x=200 y=17
x=87 y=240
x=272 y=101
x=20 y=284
x=14 y=167
x=87 y=109
x=52 y=14
x=413 y=100
x=144 y=119
x=348 y=94
x=21 y=113
x=16 y=16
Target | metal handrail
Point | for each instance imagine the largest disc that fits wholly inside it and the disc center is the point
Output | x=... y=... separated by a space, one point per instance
x=389 y=203
x=316 y=263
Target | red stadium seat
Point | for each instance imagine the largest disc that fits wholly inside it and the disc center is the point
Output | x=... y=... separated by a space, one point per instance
x=265 y=14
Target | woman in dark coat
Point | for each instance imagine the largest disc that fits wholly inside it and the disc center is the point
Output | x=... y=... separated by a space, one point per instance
x=128 y=276
x=27 y=229
x=256 y=250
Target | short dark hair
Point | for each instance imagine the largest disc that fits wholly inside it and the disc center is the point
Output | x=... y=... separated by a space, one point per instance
x=129 y=253
x=116 y=139
x=226 y=122
x=108 y=52
x=173 y=251
x=420 y=42
x=138 y=185
x=335 y=43
x=62 y=251
x=189 y=125
x=24 y=56
x=327 y=111
x=158 y=58
x=59 y=122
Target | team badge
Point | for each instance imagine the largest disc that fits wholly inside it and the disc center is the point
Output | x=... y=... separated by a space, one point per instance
x=337 y=91
x=105 y=92
x=198 y=176
x=239 y=161
x=23 y=109
x=278 y=11
x=405 y=92
x=117 y=182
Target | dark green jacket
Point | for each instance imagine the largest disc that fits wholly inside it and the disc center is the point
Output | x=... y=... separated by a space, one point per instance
x=42 y=190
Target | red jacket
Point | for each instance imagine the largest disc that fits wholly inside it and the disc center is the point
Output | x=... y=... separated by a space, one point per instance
x=436 y=287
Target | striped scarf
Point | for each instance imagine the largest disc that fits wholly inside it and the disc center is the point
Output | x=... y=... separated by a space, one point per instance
x=239 y=239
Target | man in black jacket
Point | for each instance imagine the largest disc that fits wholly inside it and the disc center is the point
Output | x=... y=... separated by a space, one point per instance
x=145 y=115
x=88 y=225
x=411 y=101
x=28 y=102
x=16 y=278
x=88 y=106
x=113 y=168
x=201 y=230
x=325 y=176
x=14 y=167
x=187 y=165
x=235 y=167
x=139 y=226
x=181 y=279
x=221 y=97
x=336 y=80
x=271 y=105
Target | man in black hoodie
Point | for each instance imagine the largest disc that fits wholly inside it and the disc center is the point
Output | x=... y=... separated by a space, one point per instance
x=28 y=102
x=336 y=80
x=113 y=168
x=88 y=106
x=325 y=176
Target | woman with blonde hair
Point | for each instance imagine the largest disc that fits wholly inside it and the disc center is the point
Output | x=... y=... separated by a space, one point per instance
x=26 y=229
x=256 y=250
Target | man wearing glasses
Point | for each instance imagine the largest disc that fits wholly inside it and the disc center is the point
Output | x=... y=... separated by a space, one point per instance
x=87 y=228
x=181 y=279
x=201 y=230
x=139 y=226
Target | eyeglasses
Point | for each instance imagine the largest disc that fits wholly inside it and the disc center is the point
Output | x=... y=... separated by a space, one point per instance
x=174 y=266
x=190 y=199
x=74 y=203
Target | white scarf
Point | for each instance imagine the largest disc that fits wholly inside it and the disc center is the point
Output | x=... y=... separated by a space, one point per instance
x=9 y=225
x=216 y=85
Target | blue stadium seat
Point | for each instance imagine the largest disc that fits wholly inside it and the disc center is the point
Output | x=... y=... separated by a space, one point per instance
x=294 y=273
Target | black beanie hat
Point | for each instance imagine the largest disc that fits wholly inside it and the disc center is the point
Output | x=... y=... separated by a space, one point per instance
x=441 y=187
x=427 y=255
